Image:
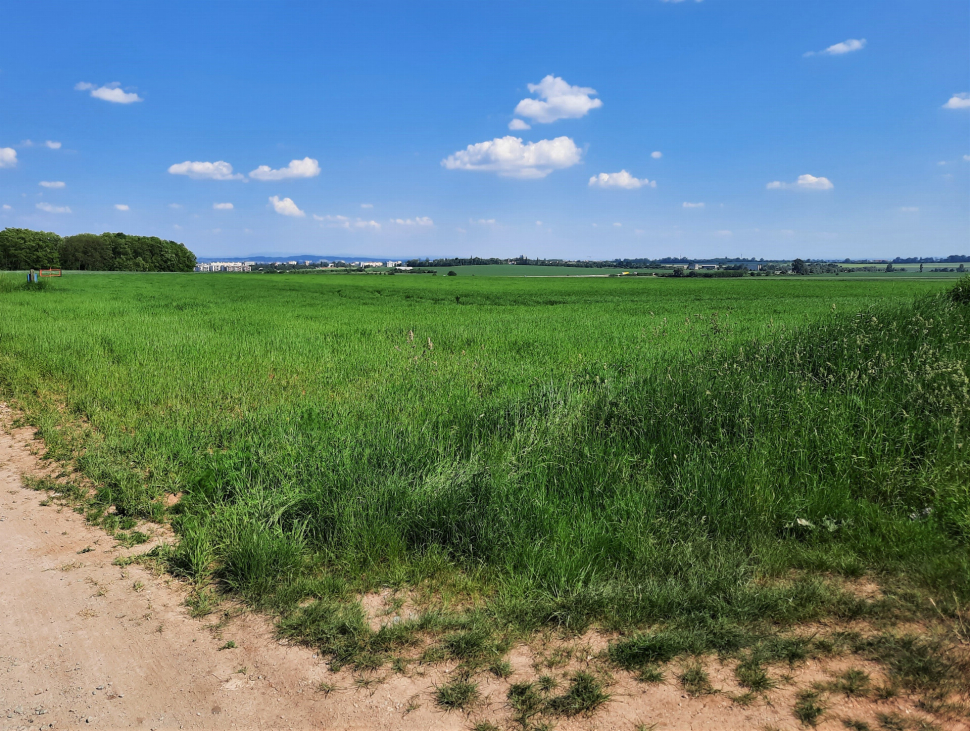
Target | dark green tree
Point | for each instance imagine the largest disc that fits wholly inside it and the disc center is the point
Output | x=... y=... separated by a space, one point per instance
x=799 y=267
x=88 y=252
x=21 y=248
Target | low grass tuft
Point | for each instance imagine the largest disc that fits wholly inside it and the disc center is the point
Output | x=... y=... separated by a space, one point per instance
x=458 y=695
x=809 y=707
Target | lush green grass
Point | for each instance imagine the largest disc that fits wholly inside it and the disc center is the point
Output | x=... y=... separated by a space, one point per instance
x=702 y=453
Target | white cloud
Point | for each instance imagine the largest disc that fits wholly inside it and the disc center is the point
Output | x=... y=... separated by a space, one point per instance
x=175 y=205
x=53 y=209
x=618 y=225
x=557 y=100
x=958 y=101
x=344 y=222
x=966 y=158
x=510 y=157
x=121 y=206
x=285 y=207
x=7 y=208
x=8 y=157
x=418 y=221
x=847 y=46
x=909 y=209
x=109 y=92
x=53 y=145
x=482 y=221
x=693 y=205
x=222 y=206
x=305 y=168
x=52 y=183
x=804 y=182
x=219 y=170
x=519 y=124
x=622 y=179
x=656 y=154
x=366 y=205
x=538 y=223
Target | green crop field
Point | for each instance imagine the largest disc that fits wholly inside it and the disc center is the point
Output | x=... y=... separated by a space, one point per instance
x=710 y=459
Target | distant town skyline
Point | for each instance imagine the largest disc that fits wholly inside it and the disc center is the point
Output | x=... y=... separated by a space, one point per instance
x=648 y=129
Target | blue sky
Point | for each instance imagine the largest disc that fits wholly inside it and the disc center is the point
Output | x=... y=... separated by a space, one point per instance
x=810 y=128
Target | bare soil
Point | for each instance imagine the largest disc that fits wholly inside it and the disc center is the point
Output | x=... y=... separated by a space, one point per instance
x=88 y=644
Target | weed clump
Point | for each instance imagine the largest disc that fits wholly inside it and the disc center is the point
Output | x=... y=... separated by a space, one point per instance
x=457 y=695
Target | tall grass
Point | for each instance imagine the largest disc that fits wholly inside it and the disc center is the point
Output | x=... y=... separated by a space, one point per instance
x=618 y=452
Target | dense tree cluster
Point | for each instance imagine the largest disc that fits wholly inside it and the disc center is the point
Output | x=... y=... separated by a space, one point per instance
x=21 y=248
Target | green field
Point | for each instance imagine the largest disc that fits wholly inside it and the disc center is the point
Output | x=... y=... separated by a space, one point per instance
x=714 y=457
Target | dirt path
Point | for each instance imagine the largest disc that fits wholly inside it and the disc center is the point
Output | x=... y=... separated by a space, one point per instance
x=88 y=644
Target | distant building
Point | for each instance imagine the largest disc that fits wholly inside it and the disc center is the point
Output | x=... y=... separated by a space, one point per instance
x=696 y=266
x=224 y=266
x=291 y=263
x=392 y=264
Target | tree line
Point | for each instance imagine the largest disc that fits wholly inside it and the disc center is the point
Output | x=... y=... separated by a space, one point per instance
x=22 y=248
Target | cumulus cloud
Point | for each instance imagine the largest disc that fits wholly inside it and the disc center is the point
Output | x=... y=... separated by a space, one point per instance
x=622 y=179
x=305 y=168
x=366 y=205
x=285 y=206
x=519 y=124
x=693 y=205
x=510 y=157
x=8 y=157
x=966 y=158
x=656 y=154
x=482 y=221
x=418 y=221
x=222 y=206
x=219 y=170
x=53 y=145
x=804 y=182
x=618 y=225
x=557 y=100
x=121 y=206
x=53 y=209
x=361 y=223
x=847 y=46
x=958 y=101
x=7 y=208
x=52 y=183
x=175 y=205
x=109 y=92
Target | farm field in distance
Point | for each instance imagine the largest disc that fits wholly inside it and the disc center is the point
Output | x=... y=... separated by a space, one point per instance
x=690 y=466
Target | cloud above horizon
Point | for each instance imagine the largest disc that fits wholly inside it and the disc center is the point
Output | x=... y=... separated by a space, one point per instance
x=219 y=170
x=417 y=221
x=557 y=100
x=51 y=183
x=510 y=157
x=958 y=101
x=305 y=168
x=122 y=206
x=804 y=182
x=622 y=179
x=44 y=206
x=286 y=207
x=344 y=222
x=840 y=49
x=8 y=157
x=109 y=92
x=693 y=205
x=222 y=206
